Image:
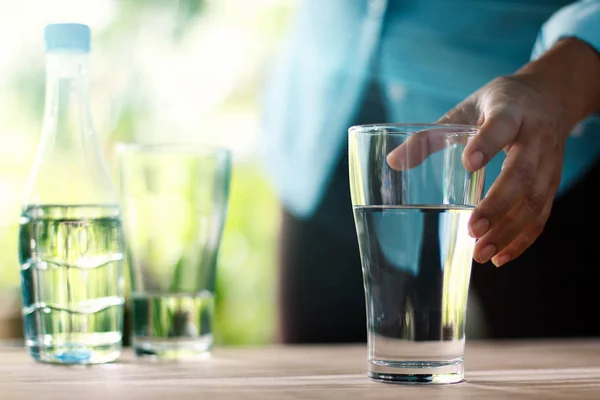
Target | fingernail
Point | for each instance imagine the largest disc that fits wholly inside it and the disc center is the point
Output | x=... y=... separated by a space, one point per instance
x=475 y=160
x=501 y=260
x=487 y=252
x=479 y=228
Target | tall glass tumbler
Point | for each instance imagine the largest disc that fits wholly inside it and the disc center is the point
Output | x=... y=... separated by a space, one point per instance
x=412 y=199
x=174 y=200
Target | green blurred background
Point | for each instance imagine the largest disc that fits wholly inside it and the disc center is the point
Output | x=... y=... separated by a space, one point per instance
x=162 y=70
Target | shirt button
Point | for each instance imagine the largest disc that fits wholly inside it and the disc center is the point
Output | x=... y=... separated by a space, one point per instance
x=397 y=92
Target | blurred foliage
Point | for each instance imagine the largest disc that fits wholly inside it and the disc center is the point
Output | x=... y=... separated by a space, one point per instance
x=245 y=300
x=187 y=11
x=162 y=70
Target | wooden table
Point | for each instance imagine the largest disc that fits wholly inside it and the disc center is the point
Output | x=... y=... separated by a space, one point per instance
x=495 y=370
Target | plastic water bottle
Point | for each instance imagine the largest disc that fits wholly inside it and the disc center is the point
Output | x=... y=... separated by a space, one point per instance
x=71 y=244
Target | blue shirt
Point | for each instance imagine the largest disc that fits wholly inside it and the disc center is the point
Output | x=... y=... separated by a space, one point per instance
x=428 y=55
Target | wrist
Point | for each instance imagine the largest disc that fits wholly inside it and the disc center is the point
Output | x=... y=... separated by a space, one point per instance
x=568 y=75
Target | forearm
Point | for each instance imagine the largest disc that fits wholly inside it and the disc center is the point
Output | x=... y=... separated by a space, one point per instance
x=570 y=72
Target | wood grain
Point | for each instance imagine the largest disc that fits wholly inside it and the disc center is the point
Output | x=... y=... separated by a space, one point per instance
x=494 y=370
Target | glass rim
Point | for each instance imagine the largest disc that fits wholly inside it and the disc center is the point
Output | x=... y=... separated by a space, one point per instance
x=399 y=129
x=189 y=148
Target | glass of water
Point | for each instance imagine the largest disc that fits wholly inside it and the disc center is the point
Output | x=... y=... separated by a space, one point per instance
x=174 y=200
x=412 y=199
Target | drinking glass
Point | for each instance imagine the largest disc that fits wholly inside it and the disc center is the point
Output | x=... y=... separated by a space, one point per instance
x=174 y=200
x=412 y=199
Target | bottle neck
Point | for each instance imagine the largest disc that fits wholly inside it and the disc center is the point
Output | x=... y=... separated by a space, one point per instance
x=66 y=65
x=67 y=113
x=69 y=167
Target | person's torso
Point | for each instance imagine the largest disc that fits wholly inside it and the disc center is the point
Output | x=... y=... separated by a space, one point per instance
x=435 y=53
x=427 y=55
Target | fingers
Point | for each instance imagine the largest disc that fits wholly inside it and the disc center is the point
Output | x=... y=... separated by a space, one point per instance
x=416 y=149
x=536 y=226
x=498 y=131
x=422 y=144
x=523 y=224
x=463 y=114
x=526 y=238
x=515 y=182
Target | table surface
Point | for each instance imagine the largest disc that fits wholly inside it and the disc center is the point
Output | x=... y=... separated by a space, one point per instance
x=558 y=369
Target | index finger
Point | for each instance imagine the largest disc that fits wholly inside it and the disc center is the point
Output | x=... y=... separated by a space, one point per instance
x=420 y=145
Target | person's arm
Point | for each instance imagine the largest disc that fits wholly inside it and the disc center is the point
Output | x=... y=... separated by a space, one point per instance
x=574 y=62
x=529 y=115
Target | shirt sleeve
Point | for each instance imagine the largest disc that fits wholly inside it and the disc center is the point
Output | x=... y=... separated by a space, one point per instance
x=581 y=20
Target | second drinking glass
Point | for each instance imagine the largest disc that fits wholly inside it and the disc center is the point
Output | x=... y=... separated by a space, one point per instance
x=174 y=200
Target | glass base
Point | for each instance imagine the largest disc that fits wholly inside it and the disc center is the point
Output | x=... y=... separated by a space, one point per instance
x=417 y=372
x=173 y=349
x=76 y=354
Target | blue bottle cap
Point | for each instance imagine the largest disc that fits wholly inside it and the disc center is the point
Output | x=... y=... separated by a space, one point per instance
x=67 y=36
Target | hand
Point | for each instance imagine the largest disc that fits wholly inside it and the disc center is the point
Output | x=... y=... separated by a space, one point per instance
x=531 y=126
x=529 y=115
